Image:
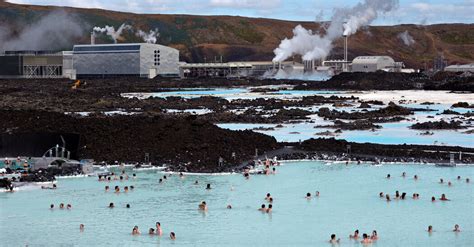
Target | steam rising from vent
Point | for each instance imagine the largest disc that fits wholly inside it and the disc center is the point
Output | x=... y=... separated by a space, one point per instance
x=345 y=21
x=406 y=38
x=54 y=31
x=110 y=31
x=150 y=37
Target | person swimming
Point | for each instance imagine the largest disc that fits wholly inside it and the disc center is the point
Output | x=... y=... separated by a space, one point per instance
x=443 y=198
x=111 y=205
x=403 y=196
x=172 y=236
x=274 y=170
x=355 y=236
x=134 y=176
x=366 y=239
x=415 y=177
x=208 y=186
x=51 y=206
x=127 y=206
x=374 y=235
x=117 y=189
x=121 y=178
x=229 y=206
x=106 y=188
x=61 y=206
x=270 y=208
x=160 y=181
x=308 y=196
x=158 y=231
x=81 y=227
x=196 y=182
x=164 y=177
x=467 y=180
x=459 y=177
x=387 y=197
x=404 y=174
x=151 y=231
x=388 y=176
x=125 y=189
x=132 y=187
x=135 y=231
x=203 y=206
x=397 y=194
x=430 y=229
x=333 y=239
x=69 y=206
x=317 y=194
x=441 y=181
x=262 y=208
x=381 y=195
x=456 y=228
x=449 y=183
x=433 y=199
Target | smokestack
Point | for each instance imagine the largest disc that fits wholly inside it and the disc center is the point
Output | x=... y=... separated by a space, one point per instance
x=92 y=38
x=345 y=53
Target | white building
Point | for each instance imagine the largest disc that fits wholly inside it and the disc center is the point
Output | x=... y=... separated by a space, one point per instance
x=460 y=68
x=373 y=63
x=137 y=59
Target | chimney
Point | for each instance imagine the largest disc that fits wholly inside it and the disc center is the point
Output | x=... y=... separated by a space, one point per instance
x=344 y=66
x=92 y=38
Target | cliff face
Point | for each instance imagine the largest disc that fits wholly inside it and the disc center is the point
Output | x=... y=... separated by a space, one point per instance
x=236 y=38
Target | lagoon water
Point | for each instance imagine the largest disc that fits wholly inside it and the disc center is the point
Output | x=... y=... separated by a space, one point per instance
x=349 y=200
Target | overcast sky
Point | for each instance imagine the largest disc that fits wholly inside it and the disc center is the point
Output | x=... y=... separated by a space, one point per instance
x=415 y=11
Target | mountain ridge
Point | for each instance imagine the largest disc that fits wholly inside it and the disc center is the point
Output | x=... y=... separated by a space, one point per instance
x=236 y=38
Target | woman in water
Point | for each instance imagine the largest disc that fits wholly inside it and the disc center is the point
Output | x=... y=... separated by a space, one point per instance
x=111 y=205
x=61 y=206
x=269 y=209
x=456 y=228
x=172 y=236
x=106 y=188
x=374 y=235
x=317 y=193
x=151 y=231
x=433 y=199
x=125 y=189
x=355 y=236
x=135 y=231
x=81 y=227
x=203 y=206
x=51 y=206
x=333 y=239
x=69 y=206
x=430 y=229
x=308 y=196
x=381 y=195
x=387 y=197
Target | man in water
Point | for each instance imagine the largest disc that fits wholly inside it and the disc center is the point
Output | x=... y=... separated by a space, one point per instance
x=106 y=188
x=172 y=236
x=387 y=197
x=51 y=206
x=262 y=208
x=268 y=197
x=208 y=186
x=366 y=239
x=381 y=195
x=430 y=229
x=388 y=176
x=158 y=231
x=81 y=227
x=203 y=206
x=443 y=198
x=111 y=205
x=333 y=239
x=308 y=196
x=135 y=231
x=128 y=206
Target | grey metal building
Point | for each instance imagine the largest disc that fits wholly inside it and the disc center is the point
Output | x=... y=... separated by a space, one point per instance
x=34 y=64
x=135 y=59
x=372 y=63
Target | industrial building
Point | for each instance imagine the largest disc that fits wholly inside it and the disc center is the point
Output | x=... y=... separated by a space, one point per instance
x=234 y=69
x=460 y=68
x=135 y=59
x=374 y=63
x=36 y=64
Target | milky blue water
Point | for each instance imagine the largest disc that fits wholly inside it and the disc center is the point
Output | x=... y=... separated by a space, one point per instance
x=348 y=201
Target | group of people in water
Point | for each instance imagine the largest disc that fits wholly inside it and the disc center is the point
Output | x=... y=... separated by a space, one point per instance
x=152 y=231
x=456 y=229
x=117 y=188
x=366 y=239
x=61 y=206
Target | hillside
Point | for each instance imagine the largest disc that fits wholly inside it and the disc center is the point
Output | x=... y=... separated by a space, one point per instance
x=236 y=38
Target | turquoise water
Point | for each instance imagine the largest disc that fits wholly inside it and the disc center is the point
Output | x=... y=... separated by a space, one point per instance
x=349 y=200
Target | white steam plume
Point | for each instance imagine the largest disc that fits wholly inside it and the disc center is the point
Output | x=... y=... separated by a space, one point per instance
x=406 y=38
x=57 y=30
x=345 y=21
x=150 y=37
x=110 y=31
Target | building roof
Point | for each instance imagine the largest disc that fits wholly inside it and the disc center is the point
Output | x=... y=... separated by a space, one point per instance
x=461 y=66
x=115 y=47
x=371 y=59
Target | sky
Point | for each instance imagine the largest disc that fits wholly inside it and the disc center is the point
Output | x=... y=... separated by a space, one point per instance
x=415 y=11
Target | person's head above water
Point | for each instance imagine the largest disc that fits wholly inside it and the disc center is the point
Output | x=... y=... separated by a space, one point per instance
x=111 y=205
x=51 y=206
x=208 y=186
x=128 y=206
